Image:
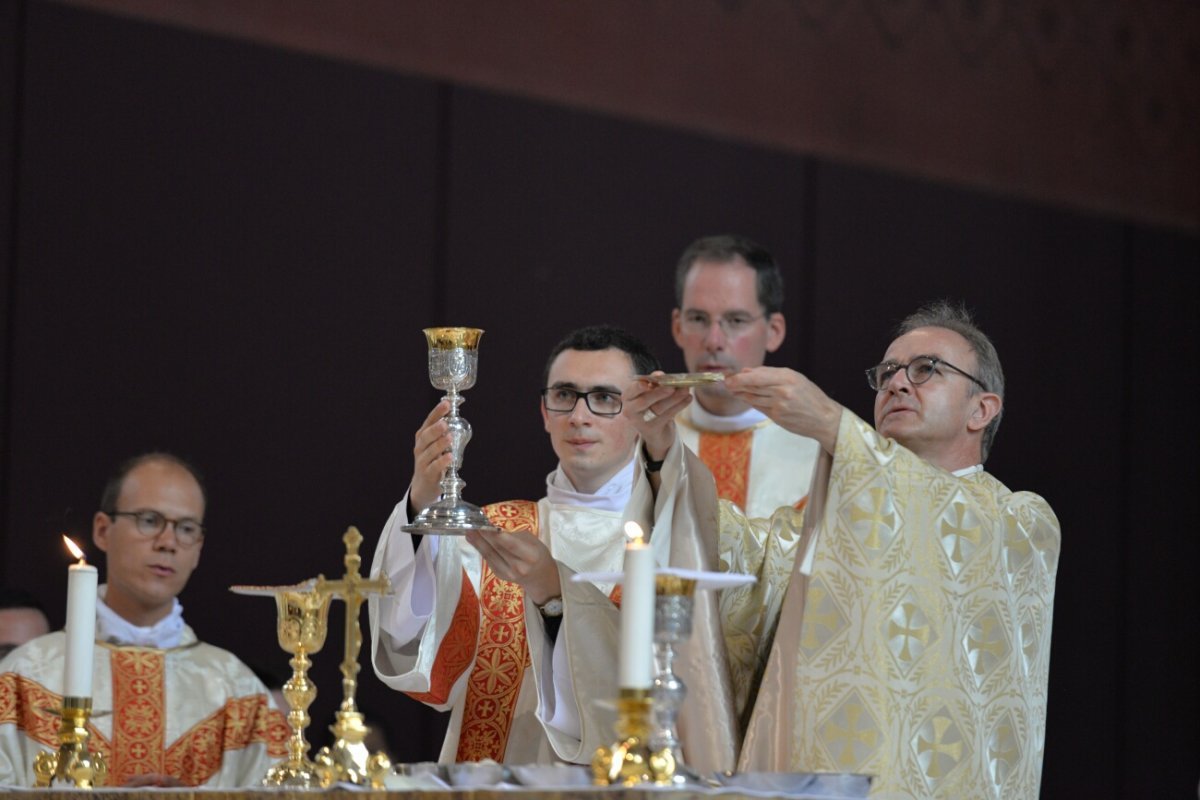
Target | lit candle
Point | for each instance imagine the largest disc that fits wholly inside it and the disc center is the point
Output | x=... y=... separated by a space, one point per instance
x=637 y=612
x=81 y=625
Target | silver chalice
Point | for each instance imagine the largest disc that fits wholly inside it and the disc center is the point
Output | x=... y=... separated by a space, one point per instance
x=453 y=366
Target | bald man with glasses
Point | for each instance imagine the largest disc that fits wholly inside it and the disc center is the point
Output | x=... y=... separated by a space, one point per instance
x=178 y=712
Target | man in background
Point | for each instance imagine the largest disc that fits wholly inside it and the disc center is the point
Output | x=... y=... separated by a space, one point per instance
x=21 y=618
x=728 y=316
x=183 y=713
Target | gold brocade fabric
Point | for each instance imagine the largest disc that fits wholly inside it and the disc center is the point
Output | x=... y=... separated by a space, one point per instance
x=750 y=613
x=193 y=712
x=502 y=653
x=727 y=455
x=917 y=649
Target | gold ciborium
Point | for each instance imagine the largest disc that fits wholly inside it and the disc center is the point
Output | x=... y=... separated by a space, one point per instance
x=303 y=623
x=73 y=764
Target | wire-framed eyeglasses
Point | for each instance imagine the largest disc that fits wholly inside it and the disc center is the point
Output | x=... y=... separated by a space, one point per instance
x=150 y=523
x=601 y=402
x=733 y=324
x=919 y=370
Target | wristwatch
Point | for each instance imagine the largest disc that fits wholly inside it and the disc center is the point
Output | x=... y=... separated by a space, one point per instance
x=651 y=466
x=552 y=607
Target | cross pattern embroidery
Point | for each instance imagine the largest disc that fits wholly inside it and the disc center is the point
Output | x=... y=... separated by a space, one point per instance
x=959 y=526
x=821 y=612
x=1003 y=750
x=851 y=733
x=940 y=746
x=985 y=643
x=908 y=630
x=879 y=515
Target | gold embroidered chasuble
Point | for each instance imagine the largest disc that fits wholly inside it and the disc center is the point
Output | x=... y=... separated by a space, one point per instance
x=917 y=647
x=759 y=468
x=193 y=712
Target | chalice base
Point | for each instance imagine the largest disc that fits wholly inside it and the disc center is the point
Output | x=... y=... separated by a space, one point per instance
x=448 y=517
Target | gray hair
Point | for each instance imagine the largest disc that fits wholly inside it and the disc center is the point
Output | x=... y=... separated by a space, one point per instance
x=955 y=317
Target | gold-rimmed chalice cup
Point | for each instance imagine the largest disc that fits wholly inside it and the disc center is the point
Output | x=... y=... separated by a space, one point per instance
x=453 y=367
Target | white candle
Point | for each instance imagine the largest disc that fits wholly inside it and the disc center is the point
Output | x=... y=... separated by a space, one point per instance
x=637 y=612
x=81 y=626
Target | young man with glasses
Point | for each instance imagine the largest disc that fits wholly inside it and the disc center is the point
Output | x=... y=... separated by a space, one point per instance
x=183 y=713
x=914 y=639
x=729 y=315
x=490 y=626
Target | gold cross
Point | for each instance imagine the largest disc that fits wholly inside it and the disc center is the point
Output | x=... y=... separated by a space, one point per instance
x=907 y=630
x=952 y=749
x=959 y=531
x=353 y=589
x=875 y=516
x=852 y=732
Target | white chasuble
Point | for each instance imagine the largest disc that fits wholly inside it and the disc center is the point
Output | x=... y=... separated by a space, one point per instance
x=454 y=651
x=917 y=647
x=479 y=651
x=194 y=712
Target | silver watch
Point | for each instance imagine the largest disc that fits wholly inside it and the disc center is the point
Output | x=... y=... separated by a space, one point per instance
x=552 y=607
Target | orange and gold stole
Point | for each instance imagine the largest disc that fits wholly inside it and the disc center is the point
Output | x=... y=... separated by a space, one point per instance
x=503 y=652
x=139 y=720
x=488 y=631
x=727 y=455
x=494 y=641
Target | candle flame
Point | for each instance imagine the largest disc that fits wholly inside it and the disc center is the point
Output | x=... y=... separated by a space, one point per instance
x=634 y=532
x=74 y=548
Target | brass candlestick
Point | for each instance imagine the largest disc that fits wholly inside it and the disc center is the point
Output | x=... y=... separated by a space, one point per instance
x=303 y=623
x=630 y=761
x=73 y=763
x=349 y=760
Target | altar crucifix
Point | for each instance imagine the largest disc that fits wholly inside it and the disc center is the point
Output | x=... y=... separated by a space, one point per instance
x=349 y=760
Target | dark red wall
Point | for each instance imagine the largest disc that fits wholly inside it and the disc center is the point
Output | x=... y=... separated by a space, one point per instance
x=229 y=251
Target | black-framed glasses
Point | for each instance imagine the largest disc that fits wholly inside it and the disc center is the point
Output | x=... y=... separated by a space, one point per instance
x=732 y=324
x=919 y=370
x=150 y=523
x=601 y=402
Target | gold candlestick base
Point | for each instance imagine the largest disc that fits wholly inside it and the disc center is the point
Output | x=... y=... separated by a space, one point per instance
x=73 y=764
x=349 y=760
x=630 y=761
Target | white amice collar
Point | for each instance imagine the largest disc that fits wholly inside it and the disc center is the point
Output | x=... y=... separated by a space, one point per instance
x=708 y=421
x=965 y=471
x=111 y=627
x=612 y=496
